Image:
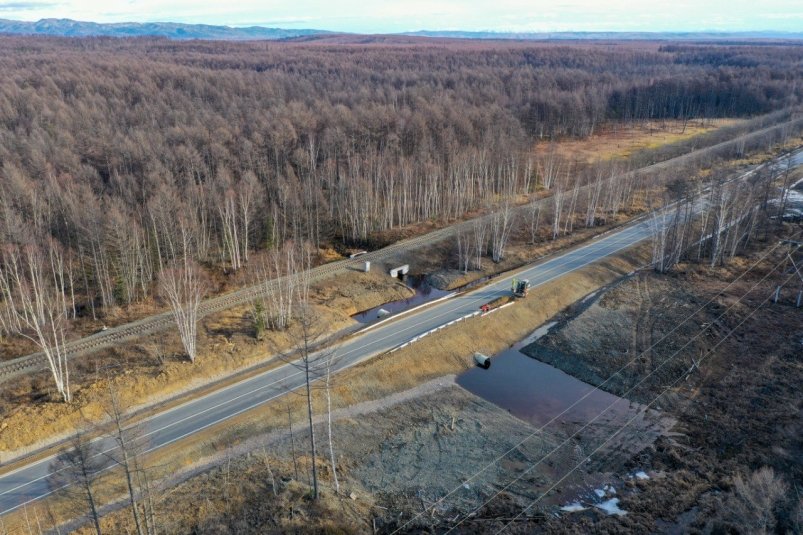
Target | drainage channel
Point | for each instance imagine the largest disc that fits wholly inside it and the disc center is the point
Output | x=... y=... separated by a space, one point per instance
x=537 y=392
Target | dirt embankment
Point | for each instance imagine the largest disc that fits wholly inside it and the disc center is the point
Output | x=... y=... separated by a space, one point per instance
x=154 y=369
x=397 y=457
x=621 y=327
x=448 y=353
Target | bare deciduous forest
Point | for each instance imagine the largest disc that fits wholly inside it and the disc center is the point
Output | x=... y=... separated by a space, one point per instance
x=119 y=154
x=153 y=173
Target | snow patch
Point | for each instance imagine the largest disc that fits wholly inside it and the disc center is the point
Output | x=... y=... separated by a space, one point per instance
x=573 y=508
x=611 y=507
x=605 y=491
x=539 y=333
x=641 y=474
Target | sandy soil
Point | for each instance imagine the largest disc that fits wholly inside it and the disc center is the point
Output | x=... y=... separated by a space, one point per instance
x=154 y=368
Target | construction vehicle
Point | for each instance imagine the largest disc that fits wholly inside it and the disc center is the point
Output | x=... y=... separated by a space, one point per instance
x=520 y=287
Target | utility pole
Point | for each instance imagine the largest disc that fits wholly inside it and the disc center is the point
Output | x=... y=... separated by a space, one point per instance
x=794 y=246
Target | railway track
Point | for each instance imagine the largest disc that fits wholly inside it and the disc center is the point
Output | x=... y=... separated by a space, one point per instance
x=131 y=331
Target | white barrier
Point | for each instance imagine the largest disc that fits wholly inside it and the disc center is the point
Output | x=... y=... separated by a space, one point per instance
x=498 y=308
x=441 y=327
x=393 y=317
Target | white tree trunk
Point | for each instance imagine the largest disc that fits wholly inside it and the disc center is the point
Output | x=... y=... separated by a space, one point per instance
x=36 y=302
x=183 y=285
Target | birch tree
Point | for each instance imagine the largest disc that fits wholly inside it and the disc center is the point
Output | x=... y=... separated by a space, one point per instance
x=309 y=363
x=534 y=212
x=37 y=305
x=316 y=365
x=127 y=454
x=277 y=277
x=332 y=460
x=501 y=227
x=184 y=286
x=549 y=167
x=722 y=208
x=465 y=252
x=249 y=192
x=669 y=231
x=480 y=241
x=788 y=166
x=229 y=222
x=557 y=210
x=594 y=191
x=307 y=334
x=570 y=213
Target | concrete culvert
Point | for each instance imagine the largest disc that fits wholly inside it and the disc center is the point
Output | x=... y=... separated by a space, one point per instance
x=483 y=361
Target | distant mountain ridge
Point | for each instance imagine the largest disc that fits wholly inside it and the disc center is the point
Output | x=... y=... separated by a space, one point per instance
x=179 y=31
x=172 y=30
x=539 y=36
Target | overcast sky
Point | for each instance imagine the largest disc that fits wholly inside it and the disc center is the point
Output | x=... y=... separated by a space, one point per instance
x=382 y=16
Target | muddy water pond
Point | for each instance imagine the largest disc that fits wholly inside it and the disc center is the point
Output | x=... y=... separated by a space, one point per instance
x=537 y=392
x=424 y=293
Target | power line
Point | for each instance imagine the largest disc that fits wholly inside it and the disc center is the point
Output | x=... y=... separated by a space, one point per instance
x=583 y=397
x=646 y=407
x=606 y=409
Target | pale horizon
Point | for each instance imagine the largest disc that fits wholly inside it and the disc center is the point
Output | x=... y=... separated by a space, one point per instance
x=515 y=16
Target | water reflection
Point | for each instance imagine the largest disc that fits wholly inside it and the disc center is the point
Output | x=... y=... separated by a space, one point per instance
x=424 y=293
x=537 y=392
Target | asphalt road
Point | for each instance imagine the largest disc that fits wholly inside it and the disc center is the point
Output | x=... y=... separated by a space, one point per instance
x=30 y=482
x=114 y=336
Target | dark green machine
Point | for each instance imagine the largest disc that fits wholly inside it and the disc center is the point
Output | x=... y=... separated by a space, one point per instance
x=520 y=287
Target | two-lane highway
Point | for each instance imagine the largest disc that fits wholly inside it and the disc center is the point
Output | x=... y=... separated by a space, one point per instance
x=30 y=482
